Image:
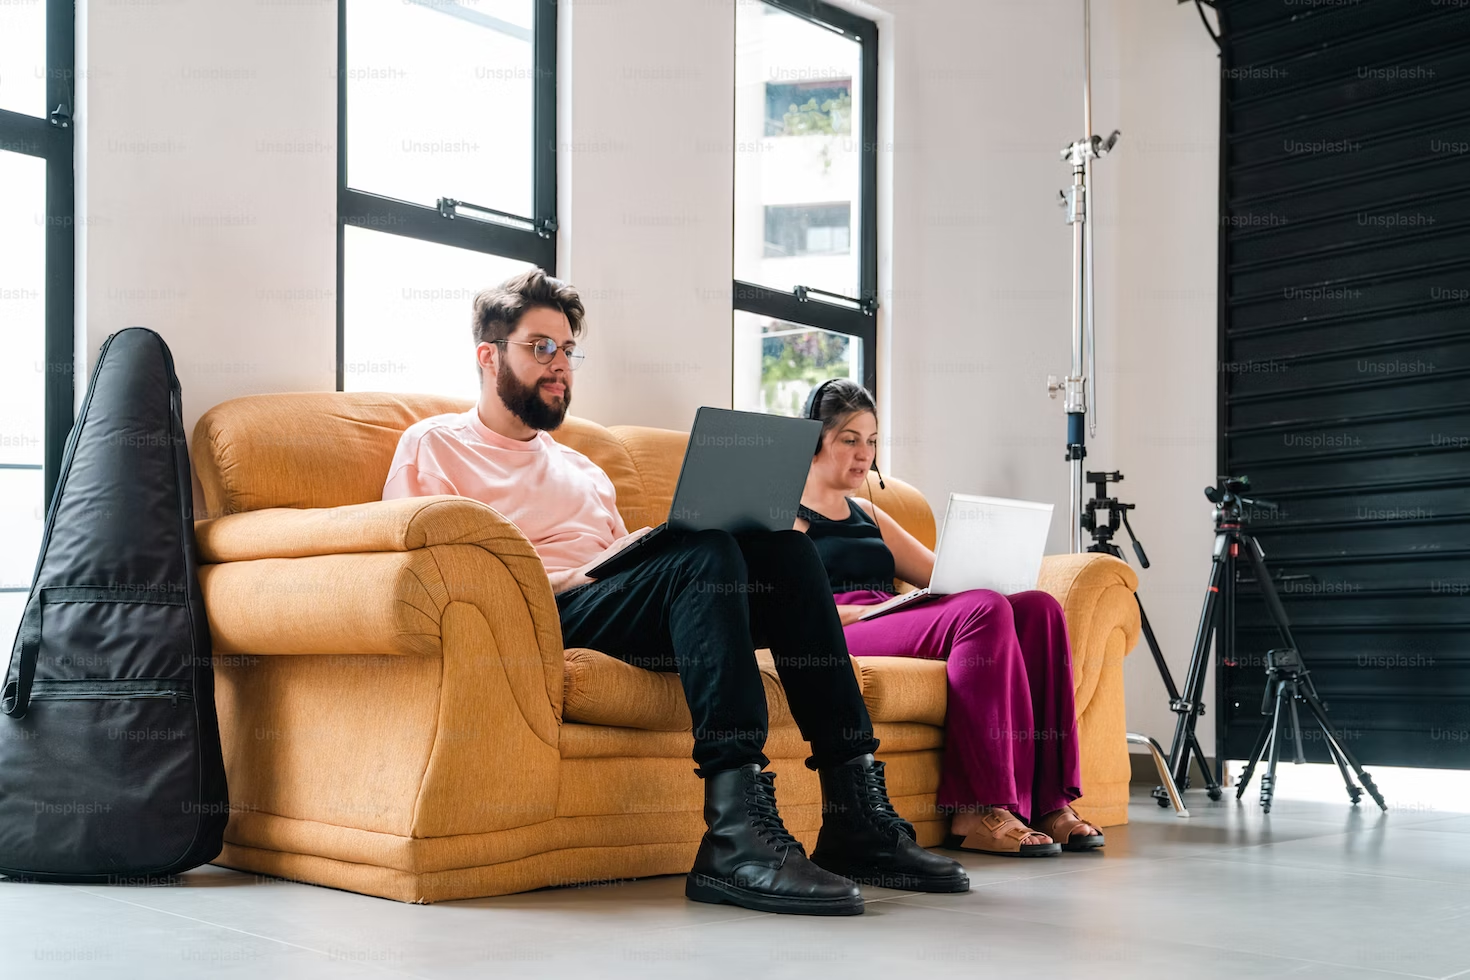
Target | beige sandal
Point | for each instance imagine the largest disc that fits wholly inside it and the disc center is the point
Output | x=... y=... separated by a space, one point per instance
x=1063 y=826
x=1002 y=833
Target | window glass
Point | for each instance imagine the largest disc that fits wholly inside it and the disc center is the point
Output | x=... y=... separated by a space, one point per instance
x=409 y=306
x=797 y=160
x=778 y=363
x=440 y=101
x=22 y=378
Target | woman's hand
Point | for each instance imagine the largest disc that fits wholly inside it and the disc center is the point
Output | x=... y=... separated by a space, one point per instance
x=850 y=614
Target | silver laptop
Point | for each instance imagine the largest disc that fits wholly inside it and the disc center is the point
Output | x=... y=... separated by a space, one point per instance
x=984 y=543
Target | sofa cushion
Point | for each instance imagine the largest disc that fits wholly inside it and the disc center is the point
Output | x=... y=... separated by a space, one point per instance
x=257 y=451
x=904 y=688
x=643 y=463
x=602 y=690
x=303 y=449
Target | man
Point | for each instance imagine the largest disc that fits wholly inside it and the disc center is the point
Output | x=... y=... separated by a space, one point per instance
x=701 y=605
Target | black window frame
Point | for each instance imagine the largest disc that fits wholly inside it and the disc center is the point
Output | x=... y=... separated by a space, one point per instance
x=50 y=138
x=807 y=306
x=530 y=238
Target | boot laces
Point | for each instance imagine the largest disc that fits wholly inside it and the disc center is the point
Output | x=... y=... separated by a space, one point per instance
x=875 y=796
x=761 y=800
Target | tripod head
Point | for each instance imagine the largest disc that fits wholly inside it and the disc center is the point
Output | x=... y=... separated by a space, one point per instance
x=1230 y=501
x=1102 y=531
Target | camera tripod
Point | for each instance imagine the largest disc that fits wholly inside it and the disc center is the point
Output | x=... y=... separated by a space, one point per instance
x=1287 y=678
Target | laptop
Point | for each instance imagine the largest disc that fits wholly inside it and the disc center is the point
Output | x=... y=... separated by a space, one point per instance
x=985 y=543
x=742 y=472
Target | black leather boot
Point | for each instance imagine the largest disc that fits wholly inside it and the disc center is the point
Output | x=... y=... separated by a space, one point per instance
x=864 y=838
x=748 y=858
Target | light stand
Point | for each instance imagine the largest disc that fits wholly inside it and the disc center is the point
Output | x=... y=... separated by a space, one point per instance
x=1084 y=348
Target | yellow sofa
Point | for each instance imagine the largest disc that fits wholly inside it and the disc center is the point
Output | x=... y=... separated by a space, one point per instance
x=400 y=719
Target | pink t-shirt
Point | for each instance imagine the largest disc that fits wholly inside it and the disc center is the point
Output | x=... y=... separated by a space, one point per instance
x=562 y=501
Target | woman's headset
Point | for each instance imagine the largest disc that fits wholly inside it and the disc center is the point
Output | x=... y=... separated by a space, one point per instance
x=813 y=403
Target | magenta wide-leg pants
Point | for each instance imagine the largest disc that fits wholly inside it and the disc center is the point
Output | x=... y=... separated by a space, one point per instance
x=1011 y=724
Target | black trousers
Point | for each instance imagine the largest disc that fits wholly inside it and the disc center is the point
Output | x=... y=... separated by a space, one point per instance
x=702 y=605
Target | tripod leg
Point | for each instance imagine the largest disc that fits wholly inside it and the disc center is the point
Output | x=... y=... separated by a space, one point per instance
x=1296 y=729
x=1320 y=714
x=1256 y=753
x=1268 y=781
x=1212 y=785
x=1187 y=708
x=1333 y=749
x=1158 y=653
x=1195 y=752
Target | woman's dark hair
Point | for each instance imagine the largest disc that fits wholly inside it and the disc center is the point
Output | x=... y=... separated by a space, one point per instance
x=834 y=402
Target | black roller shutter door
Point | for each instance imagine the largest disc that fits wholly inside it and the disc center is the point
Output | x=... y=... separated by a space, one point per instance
x=1345 y=361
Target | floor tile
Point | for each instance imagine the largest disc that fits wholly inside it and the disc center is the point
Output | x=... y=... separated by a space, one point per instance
x=64 y=931
x=1420 y=852
x=1233 y=905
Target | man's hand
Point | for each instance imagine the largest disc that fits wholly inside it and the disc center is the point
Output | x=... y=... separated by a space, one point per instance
x=570 y=578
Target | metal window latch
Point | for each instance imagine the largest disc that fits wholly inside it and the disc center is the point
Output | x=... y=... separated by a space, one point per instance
x=60 y=117
x=867 y=306
x=449 y=207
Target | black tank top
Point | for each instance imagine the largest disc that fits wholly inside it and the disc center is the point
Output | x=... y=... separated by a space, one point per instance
x=852 y=551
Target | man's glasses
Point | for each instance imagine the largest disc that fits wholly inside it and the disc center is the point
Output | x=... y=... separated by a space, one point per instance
x=545 y=350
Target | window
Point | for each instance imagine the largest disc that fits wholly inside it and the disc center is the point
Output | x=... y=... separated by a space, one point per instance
x=447 y=179
x=36 y=280
x=807 y=229
x=806 y=252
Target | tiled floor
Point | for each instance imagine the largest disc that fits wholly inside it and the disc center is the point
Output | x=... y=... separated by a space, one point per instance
x=1314 y=890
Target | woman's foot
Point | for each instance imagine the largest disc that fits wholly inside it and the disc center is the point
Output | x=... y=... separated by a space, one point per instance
x=994 y=830
x=1074 y=833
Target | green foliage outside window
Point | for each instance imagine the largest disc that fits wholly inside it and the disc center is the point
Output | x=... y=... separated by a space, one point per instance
x=831 y=117
x=793 y=364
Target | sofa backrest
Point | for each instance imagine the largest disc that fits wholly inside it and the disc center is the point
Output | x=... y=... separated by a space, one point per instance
x=330 y=448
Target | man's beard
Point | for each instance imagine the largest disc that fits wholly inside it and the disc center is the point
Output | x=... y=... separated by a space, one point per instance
x=525 y=401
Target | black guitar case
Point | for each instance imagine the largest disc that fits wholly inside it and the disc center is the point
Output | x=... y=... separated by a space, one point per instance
x=110 y=762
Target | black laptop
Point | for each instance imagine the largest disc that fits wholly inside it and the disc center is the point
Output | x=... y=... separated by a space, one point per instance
x=742 y=472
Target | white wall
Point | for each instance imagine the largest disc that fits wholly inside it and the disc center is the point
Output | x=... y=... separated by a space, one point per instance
x=207 y=182
x=645 y=168
x=1165 y=372
x=198 y=225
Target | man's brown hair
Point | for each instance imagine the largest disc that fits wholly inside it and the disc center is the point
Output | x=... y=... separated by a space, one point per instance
x=498 y=310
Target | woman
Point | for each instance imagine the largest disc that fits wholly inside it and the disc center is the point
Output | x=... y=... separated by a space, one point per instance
x=1011 y=750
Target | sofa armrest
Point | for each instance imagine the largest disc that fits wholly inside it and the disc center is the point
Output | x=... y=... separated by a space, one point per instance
x=1097 y=593
x=369 y=578
x=382 y=689
x=280 y=607
x=383 y=525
